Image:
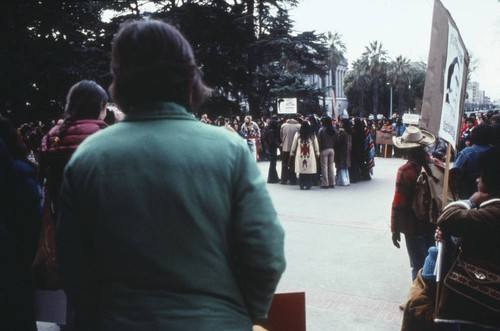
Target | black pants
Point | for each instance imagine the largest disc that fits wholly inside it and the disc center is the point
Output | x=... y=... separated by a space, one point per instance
x=272 y=175
x=288 y=173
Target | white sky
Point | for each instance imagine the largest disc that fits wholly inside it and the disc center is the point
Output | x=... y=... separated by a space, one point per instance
x=404 y=28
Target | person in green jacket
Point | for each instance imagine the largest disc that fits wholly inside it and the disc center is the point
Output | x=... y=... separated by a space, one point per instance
x=158 y=227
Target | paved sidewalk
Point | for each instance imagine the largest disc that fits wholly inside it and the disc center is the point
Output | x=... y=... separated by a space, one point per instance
x=339 y=251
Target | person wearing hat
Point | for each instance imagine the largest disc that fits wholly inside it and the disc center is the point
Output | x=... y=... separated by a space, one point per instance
x=418 y=235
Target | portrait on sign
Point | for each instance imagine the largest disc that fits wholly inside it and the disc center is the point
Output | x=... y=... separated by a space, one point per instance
x=452 y=89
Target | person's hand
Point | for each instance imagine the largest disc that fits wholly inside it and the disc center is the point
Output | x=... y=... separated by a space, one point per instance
x=396 y=238
x=439 y=234
x=479 y=197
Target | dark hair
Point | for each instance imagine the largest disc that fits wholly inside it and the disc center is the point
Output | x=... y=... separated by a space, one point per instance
x=482 y=135
x=451 y=69
x=326 y=121
x=13 y=141
x=470 y=119
x=85 y=100
x=312 y=119
x=489 y=168
x=306 y=131
x=152 y=61
x=273 y=124
x=420 y=156
x=495 y=119
x=359 y=127
x=346 y=125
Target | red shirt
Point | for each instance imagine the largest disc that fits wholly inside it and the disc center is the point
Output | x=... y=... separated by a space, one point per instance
x=402 y=217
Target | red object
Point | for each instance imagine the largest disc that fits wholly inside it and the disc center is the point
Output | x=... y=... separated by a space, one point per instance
x=287 y=312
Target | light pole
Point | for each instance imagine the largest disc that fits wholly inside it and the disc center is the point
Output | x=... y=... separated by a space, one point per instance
x=390 y=106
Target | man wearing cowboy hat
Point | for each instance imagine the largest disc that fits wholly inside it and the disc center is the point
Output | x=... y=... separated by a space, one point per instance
x=418 y=235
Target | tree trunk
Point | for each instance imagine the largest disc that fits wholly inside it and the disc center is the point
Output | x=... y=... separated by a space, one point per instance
x=362 y=110
x=400 y=101
x=253 y=103
x=323 y=96
x=334 y=79
x=375 y=96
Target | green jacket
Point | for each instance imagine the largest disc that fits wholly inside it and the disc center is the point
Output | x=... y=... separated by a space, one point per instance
x=166 y=224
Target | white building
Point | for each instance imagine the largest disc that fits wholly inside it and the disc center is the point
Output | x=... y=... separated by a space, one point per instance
x=327 y=82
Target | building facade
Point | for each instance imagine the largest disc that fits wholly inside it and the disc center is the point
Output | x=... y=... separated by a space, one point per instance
x=476 y=99
x=328 y=82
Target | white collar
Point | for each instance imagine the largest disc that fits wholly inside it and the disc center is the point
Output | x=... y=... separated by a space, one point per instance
x=487 y=202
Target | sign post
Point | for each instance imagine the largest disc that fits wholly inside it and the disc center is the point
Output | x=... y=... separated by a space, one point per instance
x=444 y=91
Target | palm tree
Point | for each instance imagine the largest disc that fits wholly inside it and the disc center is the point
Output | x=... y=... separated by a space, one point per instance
x=361 y=79
x=374 y=60
x=399 y=74
x=336 y=52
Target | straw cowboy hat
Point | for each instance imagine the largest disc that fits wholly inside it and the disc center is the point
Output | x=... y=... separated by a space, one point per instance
x=413 y=137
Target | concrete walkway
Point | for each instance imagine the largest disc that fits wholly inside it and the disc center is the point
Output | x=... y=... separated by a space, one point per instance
x=339 y=251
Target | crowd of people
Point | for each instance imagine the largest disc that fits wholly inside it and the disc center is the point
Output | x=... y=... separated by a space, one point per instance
x=140 y=215
x=353 y=140
x=309 y=146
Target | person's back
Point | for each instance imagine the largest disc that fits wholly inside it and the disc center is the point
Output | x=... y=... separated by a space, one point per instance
x=85 y=104
x=481 y=139
x=55 y=156
x=288 y=131
x=343 y=146
x=325 y=140
x=158 y=229
x=19 y=229
x=186 y=199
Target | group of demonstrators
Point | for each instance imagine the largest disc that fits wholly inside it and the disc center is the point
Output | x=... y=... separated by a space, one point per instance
x=320 y=151
x=469 y=230
x=156 y=227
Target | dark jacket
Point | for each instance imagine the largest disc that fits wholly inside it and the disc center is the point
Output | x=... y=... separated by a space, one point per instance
x=478 y=228
x=325 y=140
x=273 y=134
x=467 y=162
x=343 y=147
x=20 y=215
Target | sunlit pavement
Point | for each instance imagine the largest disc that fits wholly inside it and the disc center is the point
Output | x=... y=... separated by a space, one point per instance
x=339 y=251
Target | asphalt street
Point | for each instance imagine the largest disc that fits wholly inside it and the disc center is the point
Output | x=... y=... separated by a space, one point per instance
x=339 y=252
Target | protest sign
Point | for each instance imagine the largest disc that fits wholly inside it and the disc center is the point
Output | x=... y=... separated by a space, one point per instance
x=445 y=81
x=287 y=105
x=384 y=138
x=413 y=119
